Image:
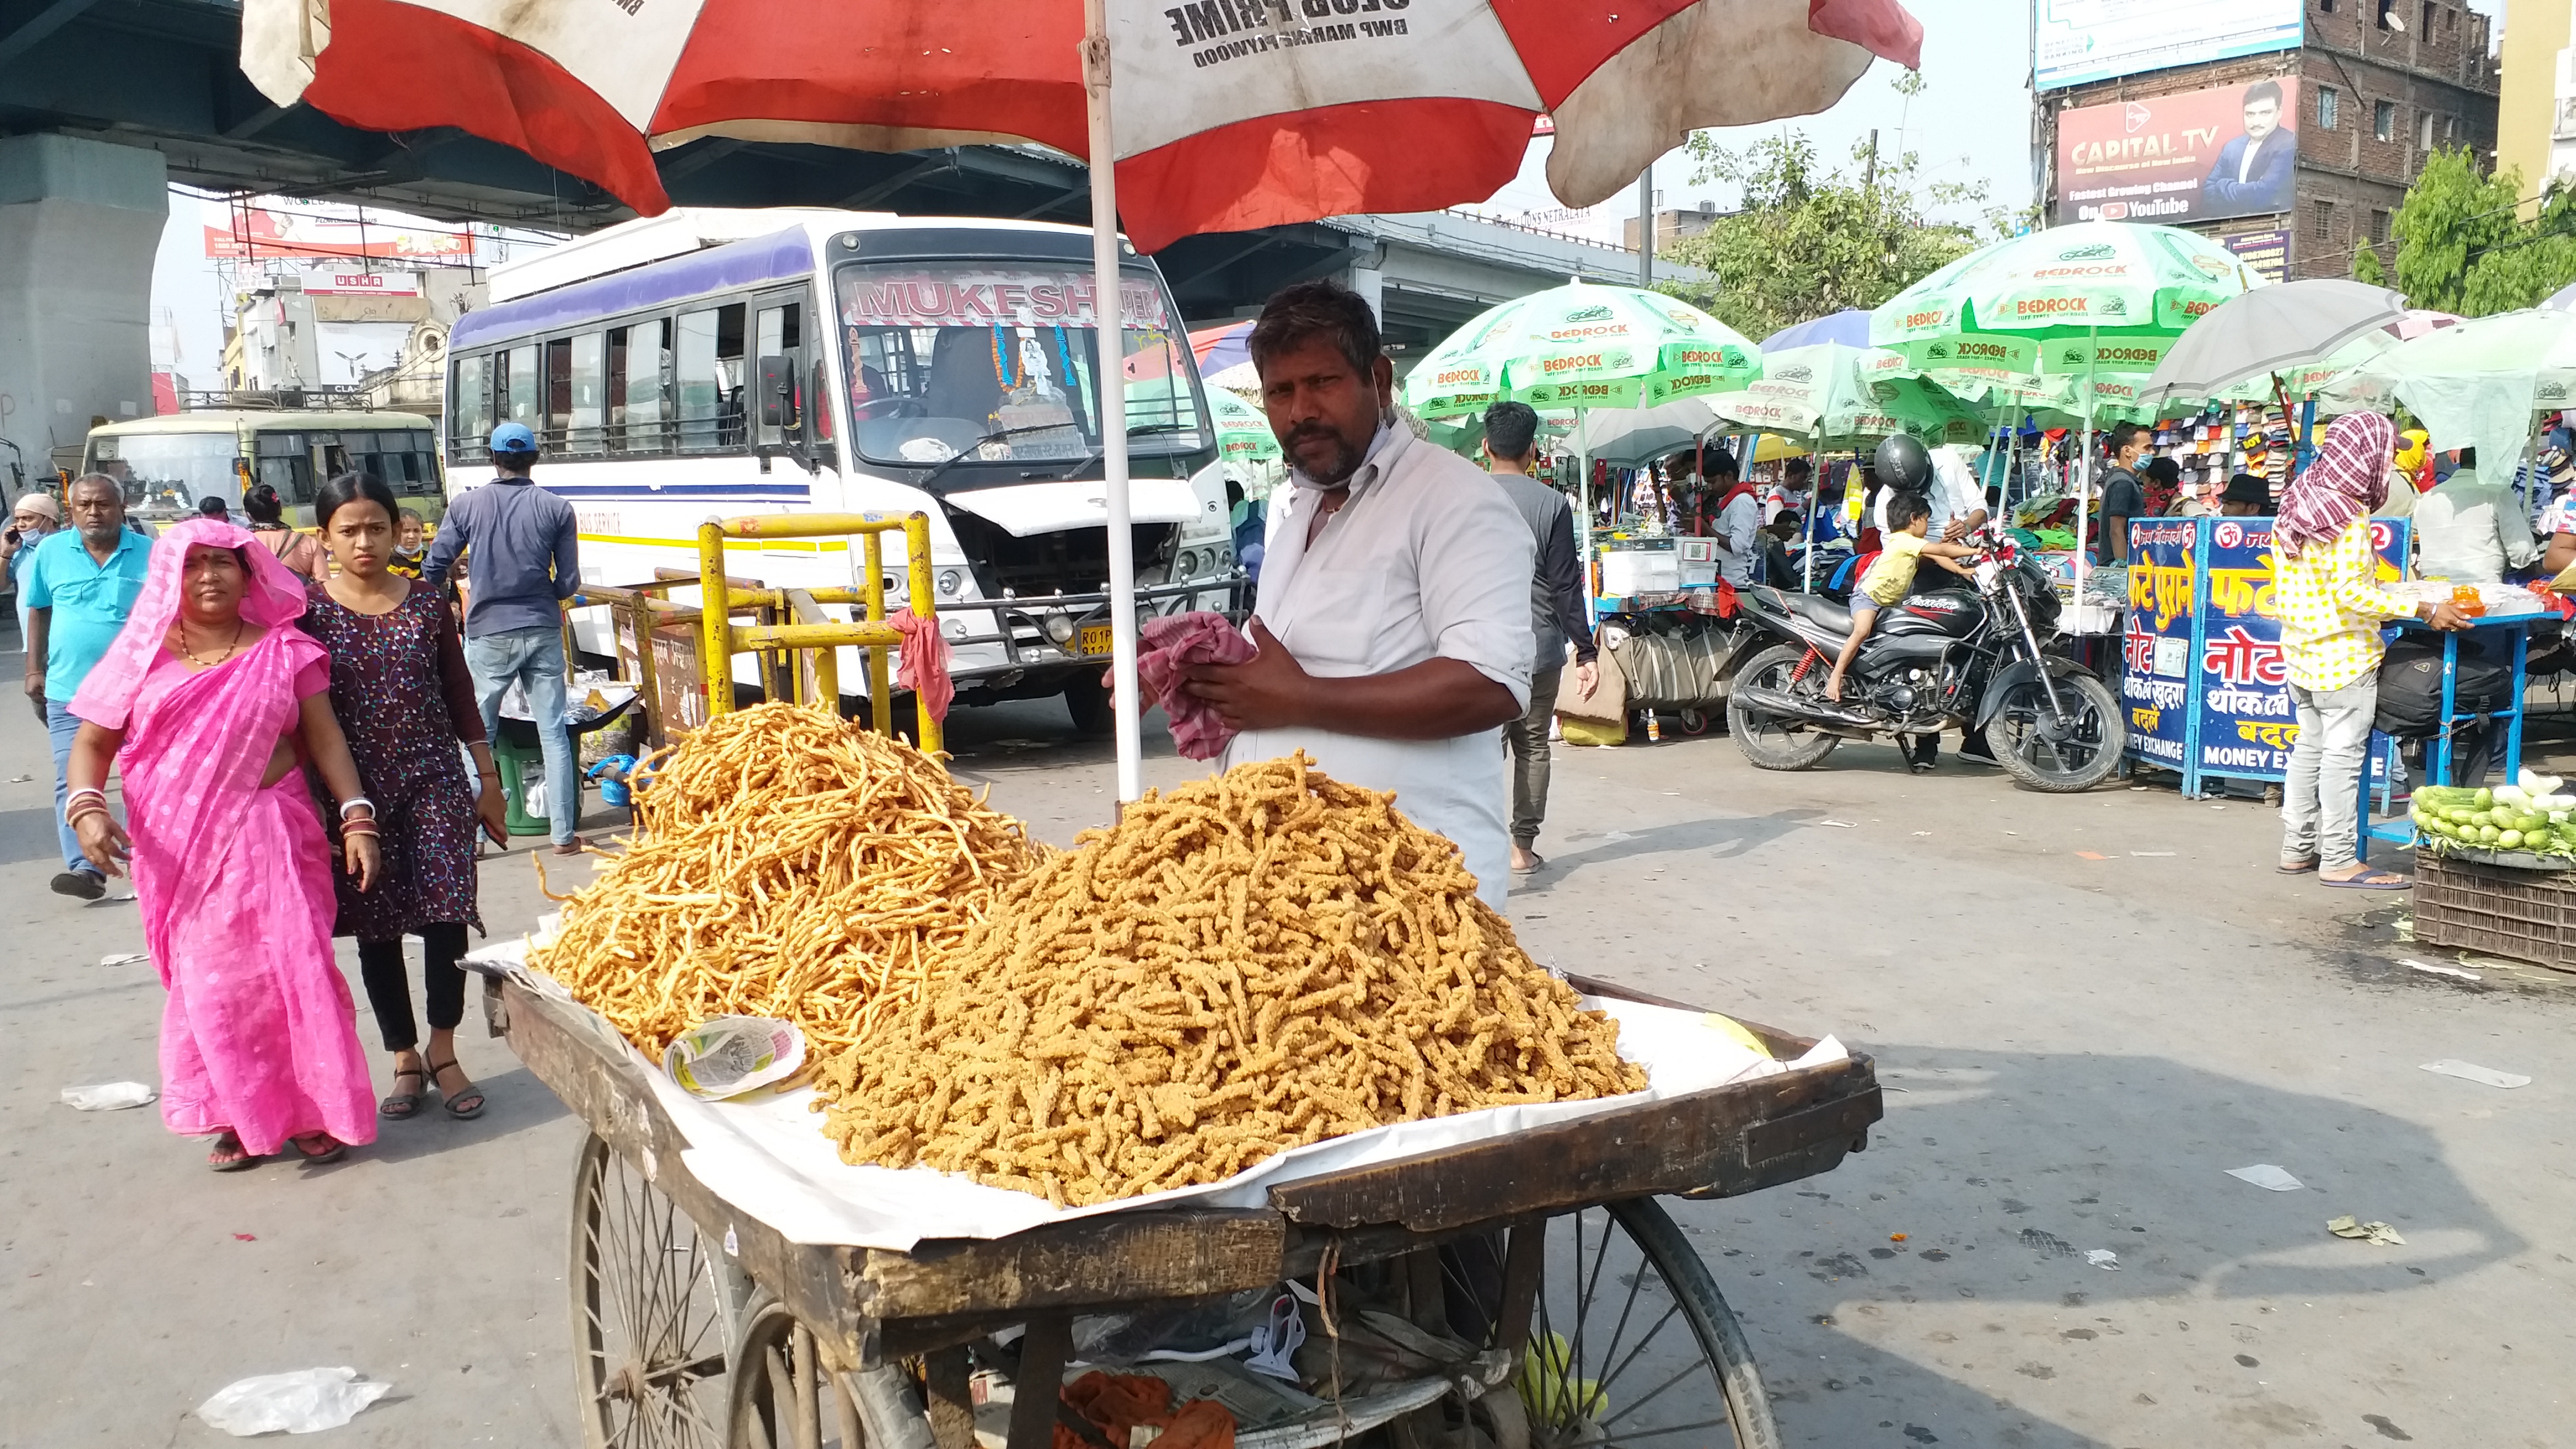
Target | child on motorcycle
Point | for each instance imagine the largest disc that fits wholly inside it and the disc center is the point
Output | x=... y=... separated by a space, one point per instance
x=1901 y=548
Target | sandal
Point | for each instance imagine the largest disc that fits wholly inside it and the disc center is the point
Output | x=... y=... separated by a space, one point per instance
x=1537 y=863
x=2369 y=880
x=2296 y=867
x=400 y=1104
x=331 y=1151
x=229 y=1155
x=463 y=1106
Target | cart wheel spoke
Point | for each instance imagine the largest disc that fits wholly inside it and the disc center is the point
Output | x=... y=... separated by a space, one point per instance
x=1670 y=1334
x=644 y=1311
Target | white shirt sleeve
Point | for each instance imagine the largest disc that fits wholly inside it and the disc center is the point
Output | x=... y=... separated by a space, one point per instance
x=1477 y=560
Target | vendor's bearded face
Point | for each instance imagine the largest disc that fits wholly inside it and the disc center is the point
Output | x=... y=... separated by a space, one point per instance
x=1323 y=407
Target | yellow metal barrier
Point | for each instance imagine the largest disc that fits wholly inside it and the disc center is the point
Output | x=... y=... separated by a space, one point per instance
x=814 y=633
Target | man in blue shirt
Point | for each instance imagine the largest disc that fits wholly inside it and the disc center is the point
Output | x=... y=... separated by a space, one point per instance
x=80 y=585
x=524 y=563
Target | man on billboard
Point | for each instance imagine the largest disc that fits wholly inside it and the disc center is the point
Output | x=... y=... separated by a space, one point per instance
x=2254 y=171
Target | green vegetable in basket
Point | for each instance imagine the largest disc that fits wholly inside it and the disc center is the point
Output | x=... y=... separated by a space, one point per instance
x=2509 y=840
x=2482 y=798
x=2488 y=835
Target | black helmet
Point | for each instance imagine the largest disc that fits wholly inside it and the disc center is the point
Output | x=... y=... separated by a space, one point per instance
x=1900 y=462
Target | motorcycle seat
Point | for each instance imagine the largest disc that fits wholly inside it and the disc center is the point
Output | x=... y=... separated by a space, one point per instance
x=1823 y=613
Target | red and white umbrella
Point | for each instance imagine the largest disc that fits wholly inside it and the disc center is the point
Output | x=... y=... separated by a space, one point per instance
x=1230 y=114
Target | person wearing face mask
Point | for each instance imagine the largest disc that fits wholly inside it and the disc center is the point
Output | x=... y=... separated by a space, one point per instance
x=1394 y=630
x=36 y=515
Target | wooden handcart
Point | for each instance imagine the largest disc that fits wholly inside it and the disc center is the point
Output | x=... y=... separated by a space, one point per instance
x=1564 y=1295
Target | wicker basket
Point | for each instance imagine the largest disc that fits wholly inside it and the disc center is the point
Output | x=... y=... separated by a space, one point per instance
x=2522 y=914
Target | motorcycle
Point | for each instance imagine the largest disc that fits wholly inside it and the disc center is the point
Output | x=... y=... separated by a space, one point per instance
x=1971 y=658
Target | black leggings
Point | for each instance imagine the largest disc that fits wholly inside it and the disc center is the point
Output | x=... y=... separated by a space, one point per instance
x=380 y=965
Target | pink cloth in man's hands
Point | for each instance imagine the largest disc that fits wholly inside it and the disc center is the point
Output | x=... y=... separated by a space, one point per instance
x=922 y=663
x=1171 y=645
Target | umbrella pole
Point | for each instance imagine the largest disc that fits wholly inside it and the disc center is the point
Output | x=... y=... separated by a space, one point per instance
x=1111 y=370
x=1583 y=492
x=2084 y=476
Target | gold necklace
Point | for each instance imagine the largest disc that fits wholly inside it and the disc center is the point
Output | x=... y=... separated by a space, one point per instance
x=189 y=649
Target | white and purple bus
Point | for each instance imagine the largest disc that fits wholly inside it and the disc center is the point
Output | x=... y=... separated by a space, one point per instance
x=721 y=363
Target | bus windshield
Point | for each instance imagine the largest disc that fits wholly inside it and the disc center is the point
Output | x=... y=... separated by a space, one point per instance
x=169 y=470
x=1000 y=359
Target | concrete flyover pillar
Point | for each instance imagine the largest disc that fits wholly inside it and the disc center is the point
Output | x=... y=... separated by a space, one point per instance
x=79 y=222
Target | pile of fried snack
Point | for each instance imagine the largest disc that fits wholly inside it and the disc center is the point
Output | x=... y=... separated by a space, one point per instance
x=1242 y=965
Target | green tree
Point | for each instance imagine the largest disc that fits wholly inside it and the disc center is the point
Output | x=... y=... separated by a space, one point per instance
x=1809 y=240
x=2366 y=267
x=2462 y=248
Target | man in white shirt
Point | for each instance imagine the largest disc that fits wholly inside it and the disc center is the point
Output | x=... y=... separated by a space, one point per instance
x=1394 y=622
x=1739 y=517
x=1958 y=504
x=2472 y=531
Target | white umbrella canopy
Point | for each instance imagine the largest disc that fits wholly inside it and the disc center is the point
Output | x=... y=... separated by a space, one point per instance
x=2266 y=331
x=2475 y=384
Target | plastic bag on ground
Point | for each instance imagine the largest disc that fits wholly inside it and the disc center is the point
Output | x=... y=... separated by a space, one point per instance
x=108 y=1096
x=306 y=1401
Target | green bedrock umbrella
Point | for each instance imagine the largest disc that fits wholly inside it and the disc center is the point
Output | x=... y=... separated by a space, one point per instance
x=2476 y=384
x=1581 y=346
x=2030 y=304
x=1242 y=431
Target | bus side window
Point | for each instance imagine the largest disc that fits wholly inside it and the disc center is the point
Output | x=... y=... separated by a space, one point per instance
x=520 y=387
x=470 y=408
x=639 y=369
x=586 y=431
x=700 y=386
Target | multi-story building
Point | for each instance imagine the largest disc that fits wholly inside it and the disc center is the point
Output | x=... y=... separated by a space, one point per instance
x=2368 y=91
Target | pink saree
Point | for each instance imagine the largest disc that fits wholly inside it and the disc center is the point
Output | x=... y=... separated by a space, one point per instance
x=233 y=877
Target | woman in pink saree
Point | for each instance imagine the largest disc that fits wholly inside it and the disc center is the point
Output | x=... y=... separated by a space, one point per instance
x=206 y=703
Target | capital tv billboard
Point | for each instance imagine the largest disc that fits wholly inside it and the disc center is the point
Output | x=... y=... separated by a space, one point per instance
x=2198 y=156
x=2075 y=41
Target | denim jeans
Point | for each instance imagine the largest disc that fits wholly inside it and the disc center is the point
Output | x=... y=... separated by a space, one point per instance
x=534 y=658
x=62 y=724
x=2321 y=801
x=1528 y=739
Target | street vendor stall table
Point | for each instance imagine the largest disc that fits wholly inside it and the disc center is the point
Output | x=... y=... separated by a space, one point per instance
x=808 y=1334
x=2500 y=628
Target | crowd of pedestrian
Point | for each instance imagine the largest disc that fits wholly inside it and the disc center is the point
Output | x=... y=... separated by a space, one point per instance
x=298 y=727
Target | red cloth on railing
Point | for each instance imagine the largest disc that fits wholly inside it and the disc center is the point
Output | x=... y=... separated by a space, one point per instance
x=1171 y=645
x=922 y=665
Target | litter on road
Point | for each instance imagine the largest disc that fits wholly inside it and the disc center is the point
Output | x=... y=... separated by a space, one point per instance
x=2103 y=1258
x=2380 y=1233
x=122 y=958
x=2441 y=970
x=2471 y=1072
x=108 y=1096
x=306 y=1401
x=2265 y=1175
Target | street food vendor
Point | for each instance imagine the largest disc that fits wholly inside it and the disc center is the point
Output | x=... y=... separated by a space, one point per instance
x=1394 y=621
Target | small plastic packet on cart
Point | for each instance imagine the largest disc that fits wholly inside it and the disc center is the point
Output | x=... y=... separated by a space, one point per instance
x=726 y=1056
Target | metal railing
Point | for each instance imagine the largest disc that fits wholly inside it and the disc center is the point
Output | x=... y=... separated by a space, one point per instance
x=802 y=660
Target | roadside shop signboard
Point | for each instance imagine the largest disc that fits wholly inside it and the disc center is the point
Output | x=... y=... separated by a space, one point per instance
x=2202 y=673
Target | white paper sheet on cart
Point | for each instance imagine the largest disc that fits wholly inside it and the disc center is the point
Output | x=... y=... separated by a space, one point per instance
x=770 y=1159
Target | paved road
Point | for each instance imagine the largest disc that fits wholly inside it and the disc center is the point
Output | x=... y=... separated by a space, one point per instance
x=2088 y=1010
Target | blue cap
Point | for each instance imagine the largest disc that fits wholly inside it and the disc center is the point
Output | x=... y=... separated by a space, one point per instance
x=513 y=438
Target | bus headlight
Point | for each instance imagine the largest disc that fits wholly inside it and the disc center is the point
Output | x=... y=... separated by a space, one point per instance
x=1058 y=628
x=950 y=581
x=1188 y=564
